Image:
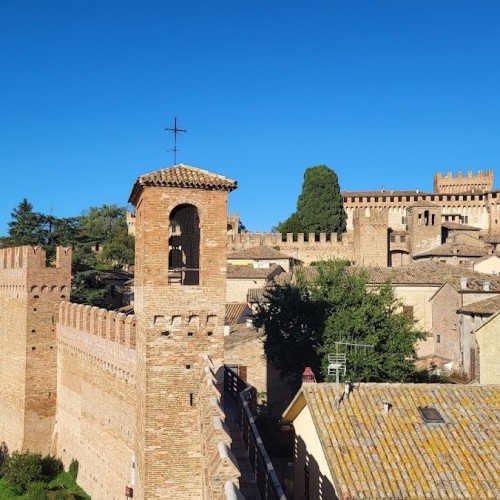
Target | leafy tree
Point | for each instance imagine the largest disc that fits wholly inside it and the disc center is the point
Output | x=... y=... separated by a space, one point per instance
x=304 y=320
x=320 y=206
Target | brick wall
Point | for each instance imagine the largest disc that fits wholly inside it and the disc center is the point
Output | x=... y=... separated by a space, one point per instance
x=96 y=403
x=29 y=293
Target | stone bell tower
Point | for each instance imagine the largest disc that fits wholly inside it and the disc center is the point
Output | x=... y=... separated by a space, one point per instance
x=179 y=302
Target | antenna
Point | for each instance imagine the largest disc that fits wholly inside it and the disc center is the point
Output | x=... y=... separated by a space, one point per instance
x=337 y=361
x=175 y=130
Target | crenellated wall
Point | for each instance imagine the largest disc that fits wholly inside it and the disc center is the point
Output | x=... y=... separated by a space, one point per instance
x=29 y=293
x=96 y=378
x=304 y=247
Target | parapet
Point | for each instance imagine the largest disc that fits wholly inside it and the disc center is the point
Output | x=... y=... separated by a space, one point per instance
x=111 y=325
x=459 y=183
x=27 y=257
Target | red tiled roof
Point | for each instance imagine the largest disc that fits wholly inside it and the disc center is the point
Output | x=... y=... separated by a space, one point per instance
x=182 y=176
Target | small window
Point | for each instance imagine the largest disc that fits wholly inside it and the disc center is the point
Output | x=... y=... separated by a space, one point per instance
x=402 y=238
x=431 y=415
x=438 y=339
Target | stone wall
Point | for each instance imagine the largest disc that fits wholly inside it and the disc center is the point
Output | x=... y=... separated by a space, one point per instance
x=450 y=183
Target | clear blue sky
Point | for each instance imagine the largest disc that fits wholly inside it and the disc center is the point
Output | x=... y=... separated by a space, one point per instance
x=384 y=92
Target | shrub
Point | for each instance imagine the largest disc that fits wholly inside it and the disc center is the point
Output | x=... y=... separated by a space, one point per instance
x=20 y=469
x=51 y=466
x=73 y=468
x=37 y=491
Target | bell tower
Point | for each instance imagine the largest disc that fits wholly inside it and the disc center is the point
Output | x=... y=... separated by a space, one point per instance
x=179 y=302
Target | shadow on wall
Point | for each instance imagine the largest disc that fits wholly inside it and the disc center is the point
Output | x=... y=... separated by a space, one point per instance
x=309 y=482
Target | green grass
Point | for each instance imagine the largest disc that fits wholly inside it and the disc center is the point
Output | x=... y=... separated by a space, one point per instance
x=6 y=491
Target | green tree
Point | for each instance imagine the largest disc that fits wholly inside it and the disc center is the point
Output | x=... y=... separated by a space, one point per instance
x=304 y=320
x=26 y=226
x=320 y=206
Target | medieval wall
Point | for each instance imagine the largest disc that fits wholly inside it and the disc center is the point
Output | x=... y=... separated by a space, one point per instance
x=450 y=183
x=96 y=404
x=304 y=247
x=29 y=293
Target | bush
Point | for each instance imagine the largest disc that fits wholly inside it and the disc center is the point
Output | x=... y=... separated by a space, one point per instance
x=20 y=469
x=51 y=466
x=60 y=495
x=37 y=491
x=73 y=468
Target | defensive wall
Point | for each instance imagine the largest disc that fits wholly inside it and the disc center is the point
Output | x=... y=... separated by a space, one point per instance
x=68 y=381
x=29 y=293
x=96 y=377
x=450 y=183
x=304 y=247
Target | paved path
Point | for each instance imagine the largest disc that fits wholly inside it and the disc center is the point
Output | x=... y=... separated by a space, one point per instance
x=248 y=486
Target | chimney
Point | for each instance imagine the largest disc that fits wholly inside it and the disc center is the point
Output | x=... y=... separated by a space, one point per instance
x=387 y=407
x=486 y=286
x=463 y=282
x=308 y=376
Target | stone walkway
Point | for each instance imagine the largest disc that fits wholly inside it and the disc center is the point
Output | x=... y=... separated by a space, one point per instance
x=248 y=486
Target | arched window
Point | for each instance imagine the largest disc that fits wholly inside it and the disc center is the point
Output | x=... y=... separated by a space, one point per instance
x=184 y=246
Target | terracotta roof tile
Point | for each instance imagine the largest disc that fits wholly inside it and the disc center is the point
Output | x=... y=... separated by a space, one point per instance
x=452 y=249
x=486 y=306
x=237 y=312
x=182 y=176
x=398 y=455
x=257 y=252
x=250 y=272
x=456 y=226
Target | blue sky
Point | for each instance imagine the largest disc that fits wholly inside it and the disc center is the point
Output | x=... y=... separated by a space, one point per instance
x=384 y=92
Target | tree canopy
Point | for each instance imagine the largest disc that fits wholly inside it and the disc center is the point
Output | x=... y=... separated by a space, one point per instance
x=320 y=206
x=99 y=237
x=304 y=320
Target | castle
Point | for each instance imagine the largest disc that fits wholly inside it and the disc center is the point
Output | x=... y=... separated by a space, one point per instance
x=390 y=228
x=135 y=399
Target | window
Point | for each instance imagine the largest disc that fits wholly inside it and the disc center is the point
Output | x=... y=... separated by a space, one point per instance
x=438 y=339
x=402 y=238
x=408 y=312
x=431 y=415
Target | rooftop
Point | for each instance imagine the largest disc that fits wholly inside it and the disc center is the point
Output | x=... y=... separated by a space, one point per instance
x=183 y=176
x=486 y=307
x=373 y=454
x=257 y=252
x=456 y=226
x=250 y=272
x=452 y=249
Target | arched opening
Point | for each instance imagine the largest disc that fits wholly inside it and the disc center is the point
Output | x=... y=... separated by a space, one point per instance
x=184 y=246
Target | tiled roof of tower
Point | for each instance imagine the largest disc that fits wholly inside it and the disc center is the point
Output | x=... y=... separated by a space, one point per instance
x=398 y=455
x=182 y=176
x=257 y=252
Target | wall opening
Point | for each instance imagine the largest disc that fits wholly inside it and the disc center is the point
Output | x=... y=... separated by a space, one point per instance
x=184 y=246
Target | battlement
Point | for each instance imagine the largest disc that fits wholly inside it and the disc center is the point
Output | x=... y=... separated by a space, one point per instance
x=27 y=257
x=373 y=216
x=284 y=240
x=460 y=183
x=110 y=325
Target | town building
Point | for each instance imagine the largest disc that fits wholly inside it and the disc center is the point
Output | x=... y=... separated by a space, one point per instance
x=395 y=441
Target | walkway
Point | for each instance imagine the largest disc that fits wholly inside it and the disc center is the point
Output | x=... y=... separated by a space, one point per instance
x=248 y=486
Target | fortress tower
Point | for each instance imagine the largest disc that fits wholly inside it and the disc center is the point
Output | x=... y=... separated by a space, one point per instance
x=180 y=287
x=424 y=225
x=371 y=236
x=471 y=183
x=29 y=294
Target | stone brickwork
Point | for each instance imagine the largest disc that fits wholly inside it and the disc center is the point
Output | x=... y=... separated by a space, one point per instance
x=29 y=293
x=450 y=183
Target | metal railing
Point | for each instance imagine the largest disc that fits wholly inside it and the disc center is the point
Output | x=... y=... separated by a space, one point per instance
x=246 y=397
